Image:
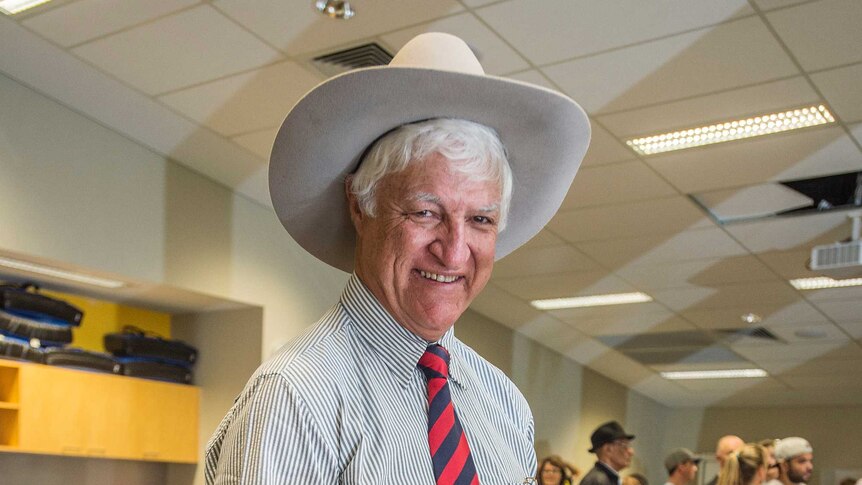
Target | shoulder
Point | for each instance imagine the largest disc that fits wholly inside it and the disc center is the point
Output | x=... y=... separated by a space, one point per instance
x=596 y=476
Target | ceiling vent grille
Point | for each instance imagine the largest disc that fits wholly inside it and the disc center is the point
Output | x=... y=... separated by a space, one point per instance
x=760 y=333
x=365 y=55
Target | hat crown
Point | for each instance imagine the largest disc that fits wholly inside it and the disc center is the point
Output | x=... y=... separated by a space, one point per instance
x=436 y=50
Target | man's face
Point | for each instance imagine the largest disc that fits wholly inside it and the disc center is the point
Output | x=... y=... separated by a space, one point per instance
x=430 y=249
x=799 y=468
x=772 y=466
x=688 y=470
x=619 y=454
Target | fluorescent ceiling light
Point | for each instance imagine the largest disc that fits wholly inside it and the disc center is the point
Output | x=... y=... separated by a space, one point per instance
x=714 y=374
x=824 y=282
x=11 y=7
x=595 y=300
x=59 y=273
x=732 y=130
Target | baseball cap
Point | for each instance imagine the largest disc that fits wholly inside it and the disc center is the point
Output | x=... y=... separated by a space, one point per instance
x=677 y=457
x=789 y=447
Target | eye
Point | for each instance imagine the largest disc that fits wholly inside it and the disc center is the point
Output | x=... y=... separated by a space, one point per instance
x=483 y=220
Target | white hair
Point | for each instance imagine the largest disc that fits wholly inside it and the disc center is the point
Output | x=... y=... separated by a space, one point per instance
x=472 y=149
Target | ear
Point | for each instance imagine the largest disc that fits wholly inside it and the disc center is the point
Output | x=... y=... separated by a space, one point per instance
x=356 y=215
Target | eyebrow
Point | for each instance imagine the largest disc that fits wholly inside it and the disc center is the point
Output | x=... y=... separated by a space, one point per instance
x=427 y=197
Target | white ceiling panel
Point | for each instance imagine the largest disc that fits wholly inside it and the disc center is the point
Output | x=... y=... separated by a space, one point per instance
x=533 y=76
x=577 y=28
x=638 y=324
x=621 y=369
x=246 y=102
x=773 y=4
x=752 y=294
x=841 y=310
x=802 y=352
x=84 y=20
x=856 y=131
x=731 y=55
x=604 y=148
x=753 y=201
x=494 y=54
x=259 y=142
x=810 y=333
x=536 y=261
x=658 y=216
x=849 y=293
x=701 y=110
x=787 y=156
x=825 y=382
x=733 y=386
x=610 y=312
x=821 y=34
x=557 y=335
x=789 y=264
x=730 y=316
x=616 y=183
x=191 y=47
x=683 y=246
x=853 y=329
x=786 y=233
x=563 y=285
x=300 y=30
x=704 y=273
x=543 y=239
x=841 y=89
x=502 y=307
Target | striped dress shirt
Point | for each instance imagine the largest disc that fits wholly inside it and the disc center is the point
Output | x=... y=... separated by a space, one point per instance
x=345 y=403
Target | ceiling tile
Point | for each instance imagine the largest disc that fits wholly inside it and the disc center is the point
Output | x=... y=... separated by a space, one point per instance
x=849 y=293
x=773 y=4
x=800 y=312
x=556 y=335
x=786 y=233
x=615 y=183
x=810 y=333
x=84 y=20
x=752 y=201
x=299 y=31
x=735 y=54
x=841 y=310
x=804 y=29
x=533 y=76
x=841 y=89
x=656 y=216
x=191 y=47
x=638 y=323
x=543 y=239
x=786 y=156
x=799 y=351
x=259 y=142
x=826 y=382
x=702 y=110
x=733 y=386
x=495 y=55
x=577 y=28
x=478 y=3
x=609 y=312
x=856 y=131
x=854 y=329
x=501 y=307
x=704 y=273
x=754 y=293
x=604 y=148
x=789 y=264
x=562 y=285
x=536 y=261
x=620 y=368
x=246 y=102
x=684 y=246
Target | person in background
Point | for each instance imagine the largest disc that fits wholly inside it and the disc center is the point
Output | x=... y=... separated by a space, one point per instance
x=635 y=479
x=726 y=445
x=681 y=466
x=613 y=448
x=554 y=471
x=746 y=466
x=772 y=467
x=848 y=481
x=795 y=460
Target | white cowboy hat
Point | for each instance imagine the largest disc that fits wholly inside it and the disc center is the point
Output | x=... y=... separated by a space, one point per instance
x=434 y=75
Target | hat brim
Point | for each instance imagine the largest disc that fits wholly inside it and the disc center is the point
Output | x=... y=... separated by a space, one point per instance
x=546 y=135
x=596 y=447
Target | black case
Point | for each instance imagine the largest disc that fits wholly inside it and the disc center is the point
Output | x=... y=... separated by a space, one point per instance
x=81 y=359
x=155 y=370
x=132 y=342
x=15 y=349
x=27 y=329
x=17 y=299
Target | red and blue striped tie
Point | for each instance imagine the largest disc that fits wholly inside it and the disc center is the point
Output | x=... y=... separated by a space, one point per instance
x=450 y=452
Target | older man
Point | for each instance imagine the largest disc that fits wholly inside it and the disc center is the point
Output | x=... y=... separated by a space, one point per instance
x=723 y=448
x=613 y=449
x=379 y=172
x=795 y=460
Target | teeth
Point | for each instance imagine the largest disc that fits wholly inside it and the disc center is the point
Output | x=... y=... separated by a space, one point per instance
x=437 y=277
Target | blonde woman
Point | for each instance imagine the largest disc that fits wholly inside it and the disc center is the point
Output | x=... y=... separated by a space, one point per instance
x=747 y=466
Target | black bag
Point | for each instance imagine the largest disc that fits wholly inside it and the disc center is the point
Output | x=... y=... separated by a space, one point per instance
x=134 y=342
x=161 y=371
x=27 y=329
x=18 y=300
x=12 y=348
x=81 y=359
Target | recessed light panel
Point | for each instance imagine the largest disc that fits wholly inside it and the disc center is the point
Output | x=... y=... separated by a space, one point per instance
x=764 y=124
x=714 y=374
x=11 y=7
x=595 y=300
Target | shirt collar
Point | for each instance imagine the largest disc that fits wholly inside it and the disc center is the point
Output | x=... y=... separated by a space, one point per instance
x=609 y=468
x=396 y=346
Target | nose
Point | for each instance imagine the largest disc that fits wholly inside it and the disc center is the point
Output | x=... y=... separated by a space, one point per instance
x=450 y=245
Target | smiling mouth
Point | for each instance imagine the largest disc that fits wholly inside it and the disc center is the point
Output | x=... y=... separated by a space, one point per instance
x=438 y=277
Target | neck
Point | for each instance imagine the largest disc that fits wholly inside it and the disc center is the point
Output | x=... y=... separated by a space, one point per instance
x=676 y=479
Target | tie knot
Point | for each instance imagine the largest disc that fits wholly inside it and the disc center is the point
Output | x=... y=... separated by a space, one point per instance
x=435 y=362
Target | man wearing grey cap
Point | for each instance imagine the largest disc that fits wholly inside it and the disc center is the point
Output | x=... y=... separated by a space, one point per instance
x=795 y=460
x=681 y=466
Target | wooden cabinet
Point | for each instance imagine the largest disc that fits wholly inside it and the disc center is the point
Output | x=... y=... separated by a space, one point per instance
x=61 y=411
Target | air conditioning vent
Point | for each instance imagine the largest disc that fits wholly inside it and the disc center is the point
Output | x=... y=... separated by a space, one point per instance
x=760 y=333
x=366 y=55
x=839 y=260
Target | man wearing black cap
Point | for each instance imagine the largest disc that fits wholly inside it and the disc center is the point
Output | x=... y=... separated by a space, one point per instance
x=681 y=466
x=612 y=446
